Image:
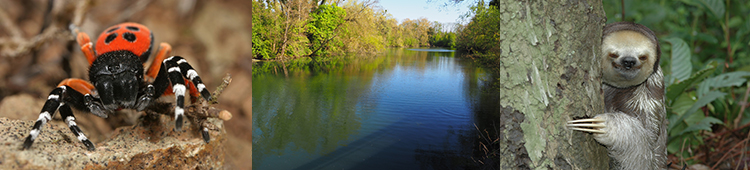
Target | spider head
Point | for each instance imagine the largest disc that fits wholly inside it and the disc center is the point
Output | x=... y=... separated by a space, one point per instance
x=118 y=77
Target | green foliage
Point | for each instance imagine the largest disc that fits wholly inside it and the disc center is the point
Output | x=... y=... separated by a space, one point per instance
x=480 y=35
x=364 y=31
x=681 y=67
x=263 y=22
x=293 y=29
x=275 y=33
x=674 y=90
x=705 y=63
x=322 y=27
x=443 y=39
x=715 y=6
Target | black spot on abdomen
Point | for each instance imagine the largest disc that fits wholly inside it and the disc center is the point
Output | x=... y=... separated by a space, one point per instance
x=129 y=36
x=113 y=29
x=110 y=38
x=132 y=28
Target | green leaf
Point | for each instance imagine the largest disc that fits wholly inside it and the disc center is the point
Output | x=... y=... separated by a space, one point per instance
x=702 y=101
x=724 y=80
x=690 y=2
x=694 y=118
x=704 y=124
x=674 y=90
x=715 y=6
x=745 y=118
x=744 y=29
x=672 y=130
x=707 y=38
x=681 y=66
x=675 y=144
x=735 y=22
x=682 y=103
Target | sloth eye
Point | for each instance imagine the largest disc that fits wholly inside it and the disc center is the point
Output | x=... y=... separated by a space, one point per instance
x=642 y=57
x=613 y=55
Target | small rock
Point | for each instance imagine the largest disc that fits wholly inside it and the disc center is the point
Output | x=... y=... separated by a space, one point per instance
x=225 y=115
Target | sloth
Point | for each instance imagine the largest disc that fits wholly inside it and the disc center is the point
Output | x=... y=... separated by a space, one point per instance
x=633 y=126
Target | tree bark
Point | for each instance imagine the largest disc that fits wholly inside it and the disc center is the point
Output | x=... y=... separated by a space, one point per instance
x=550 y=74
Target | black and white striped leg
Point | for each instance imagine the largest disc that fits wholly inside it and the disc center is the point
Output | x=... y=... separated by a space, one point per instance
x=48 y=110
x=190 y=73
x=178 y=88
x=178 y=69
x=67 y=114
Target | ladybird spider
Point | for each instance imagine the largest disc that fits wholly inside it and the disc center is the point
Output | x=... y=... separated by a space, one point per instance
x=116 y=75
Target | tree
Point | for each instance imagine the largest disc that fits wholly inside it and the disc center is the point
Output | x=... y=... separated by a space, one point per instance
x=325 y=20
x=549 y=67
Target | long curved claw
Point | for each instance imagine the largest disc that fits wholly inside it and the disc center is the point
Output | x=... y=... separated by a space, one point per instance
x=592 y=120
x=593 y=125
x=587 y=125
x=589 y=130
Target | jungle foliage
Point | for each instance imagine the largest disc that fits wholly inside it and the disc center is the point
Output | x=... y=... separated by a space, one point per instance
x=289 y=29
x=479 y=37
x=706 y=63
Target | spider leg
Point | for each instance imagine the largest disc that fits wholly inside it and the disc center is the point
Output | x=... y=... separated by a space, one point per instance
x=197 y=85
x=86 y=46
x=175 y=69
x=48 y=110
x=74 y=92
x=67 y=114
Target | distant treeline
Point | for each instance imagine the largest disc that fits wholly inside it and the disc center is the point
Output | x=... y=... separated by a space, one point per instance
x=288 y=29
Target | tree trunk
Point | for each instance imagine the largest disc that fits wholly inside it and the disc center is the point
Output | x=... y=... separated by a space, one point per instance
x=550 y=74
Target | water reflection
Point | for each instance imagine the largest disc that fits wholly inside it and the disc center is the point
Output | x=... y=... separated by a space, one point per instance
x=405 y=109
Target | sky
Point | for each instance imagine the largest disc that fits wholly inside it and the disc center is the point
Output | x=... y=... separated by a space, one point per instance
x=433 y=11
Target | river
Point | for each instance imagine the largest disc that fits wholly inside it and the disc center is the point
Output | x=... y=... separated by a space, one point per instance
x=401 y=109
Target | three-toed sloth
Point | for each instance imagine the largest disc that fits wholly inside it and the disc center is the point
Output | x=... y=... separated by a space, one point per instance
x=633 y=126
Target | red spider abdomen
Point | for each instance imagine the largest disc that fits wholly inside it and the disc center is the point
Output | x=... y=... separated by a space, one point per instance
x=129 y=36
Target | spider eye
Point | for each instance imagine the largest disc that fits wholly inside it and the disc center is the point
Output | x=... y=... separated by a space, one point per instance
x=613 y=55
x=642 y=57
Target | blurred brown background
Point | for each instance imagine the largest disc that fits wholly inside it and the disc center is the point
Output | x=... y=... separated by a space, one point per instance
x=37 y=51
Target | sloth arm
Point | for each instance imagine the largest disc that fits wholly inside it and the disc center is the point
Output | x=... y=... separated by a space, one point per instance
x=626 y=138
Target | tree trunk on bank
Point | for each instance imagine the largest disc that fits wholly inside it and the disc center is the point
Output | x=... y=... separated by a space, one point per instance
x=550 y=74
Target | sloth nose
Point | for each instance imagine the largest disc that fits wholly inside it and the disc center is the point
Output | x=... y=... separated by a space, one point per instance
x=628 y=62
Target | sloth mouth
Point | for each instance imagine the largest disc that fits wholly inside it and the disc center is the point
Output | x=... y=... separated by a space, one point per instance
x=626 y=73
x=621 y=67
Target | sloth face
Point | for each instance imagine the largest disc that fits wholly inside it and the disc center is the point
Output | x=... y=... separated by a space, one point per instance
x=628 y=58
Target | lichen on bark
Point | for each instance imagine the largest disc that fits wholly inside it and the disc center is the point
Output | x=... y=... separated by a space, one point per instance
x=550 y=73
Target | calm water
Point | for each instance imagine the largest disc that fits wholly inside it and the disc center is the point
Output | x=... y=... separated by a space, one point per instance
x=404 y=109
